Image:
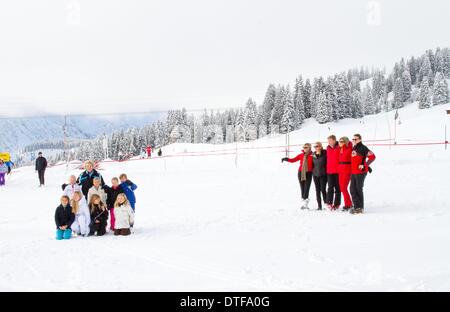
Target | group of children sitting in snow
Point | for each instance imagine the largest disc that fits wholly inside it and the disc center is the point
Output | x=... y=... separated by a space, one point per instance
x=87 y=203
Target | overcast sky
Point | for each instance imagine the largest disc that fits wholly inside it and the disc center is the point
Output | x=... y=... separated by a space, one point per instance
x=132 y=55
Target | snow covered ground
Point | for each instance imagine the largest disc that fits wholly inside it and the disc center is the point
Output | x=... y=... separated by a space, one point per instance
x=219 y=222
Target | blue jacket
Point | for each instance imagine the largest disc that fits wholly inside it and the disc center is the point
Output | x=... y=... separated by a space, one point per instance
x=128 y=188
x=3 y=168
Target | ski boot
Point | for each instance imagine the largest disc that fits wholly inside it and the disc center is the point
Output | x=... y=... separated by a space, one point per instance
x=356 y=211
x=305 y=204
x=347 y=209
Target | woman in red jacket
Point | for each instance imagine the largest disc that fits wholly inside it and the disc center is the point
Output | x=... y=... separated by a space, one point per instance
x=345 y=170
x=304 y=172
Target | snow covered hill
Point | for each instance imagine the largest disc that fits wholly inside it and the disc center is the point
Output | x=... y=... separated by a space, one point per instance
x=227 y=217
x=16 y=133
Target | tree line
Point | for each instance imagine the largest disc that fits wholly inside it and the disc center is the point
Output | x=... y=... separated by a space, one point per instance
x=351 y=94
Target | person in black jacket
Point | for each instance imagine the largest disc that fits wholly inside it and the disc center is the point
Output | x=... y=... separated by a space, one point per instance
x=112 y=192
x=86 y=178
x=99 y=216
x=320 y=173
x=41 y=165
x=64 y=217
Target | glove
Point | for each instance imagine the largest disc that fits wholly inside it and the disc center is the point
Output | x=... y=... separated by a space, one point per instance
x=284 y=159
x=370 y=170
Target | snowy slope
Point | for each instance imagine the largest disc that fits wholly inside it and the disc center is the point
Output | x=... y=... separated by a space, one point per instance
x=15 y=133
x=208 y=220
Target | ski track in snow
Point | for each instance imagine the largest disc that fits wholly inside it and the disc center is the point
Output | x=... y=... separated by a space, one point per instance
x=204 y=225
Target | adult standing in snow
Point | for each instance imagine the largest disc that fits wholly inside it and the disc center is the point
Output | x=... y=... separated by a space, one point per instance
x=333 y=192
x=86 y=178
x=320 y=174
x=360 y=167
x=149 y=151
x=345 y=170
x=304 y=172
x=160 y=152
x=3 y=172
x=41 y=165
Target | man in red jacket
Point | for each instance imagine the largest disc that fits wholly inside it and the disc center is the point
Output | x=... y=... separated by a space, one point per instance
x=332 y=174
x=362 y=157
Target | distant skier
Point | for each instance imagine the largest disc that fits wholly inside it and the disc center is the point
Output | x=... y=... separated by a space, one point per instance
x=86 y=178
x=333 y=192
x=41 y=165
x=3 y=172
x=345 y=170
x=160 y=152
x=320 y=174
x=360 y=167
x=304 y=172
x=149 y=151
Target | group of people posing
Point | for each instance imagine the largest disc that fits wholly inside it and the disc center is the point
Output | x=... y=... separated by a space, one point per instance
x=344 y=162
x=88 y=203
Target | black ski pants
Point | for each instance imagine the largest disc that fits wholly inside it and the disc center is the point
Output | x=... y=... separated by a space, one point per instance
x=41 y=175
x=305 y=185
x=334 y=192
x=356 y=189
x=321 y=189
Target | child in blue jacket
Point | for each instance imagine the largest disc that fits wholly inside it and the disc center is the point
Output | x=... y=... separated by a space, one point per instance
x=128 y=188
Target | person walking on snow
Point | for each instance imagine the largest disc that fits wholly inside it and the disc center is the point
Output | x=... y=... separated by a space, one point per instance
x=360 y=167
x=333 y=192
x=320 y=174
x=82 y=215
x=3 y=172
x=304 y=172
x=149 y=151
x=41 y=165
x=345 y=170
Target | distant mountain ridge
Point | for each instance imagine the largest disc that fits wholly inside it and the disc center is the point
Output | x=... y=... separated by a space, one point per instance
x=16 y=133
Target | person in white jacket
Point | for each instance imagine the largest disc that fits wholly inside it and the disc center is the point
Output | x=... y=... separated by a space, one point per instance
x=82 y=214
x=72 y=187
x=124 y=215
x=97 y=189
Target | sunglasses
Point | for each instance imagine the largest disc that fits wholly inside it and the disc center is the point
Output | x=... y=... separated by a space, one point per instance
x=355 y=140
x=341 y=141
x=305 y=147
x=317 y=146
